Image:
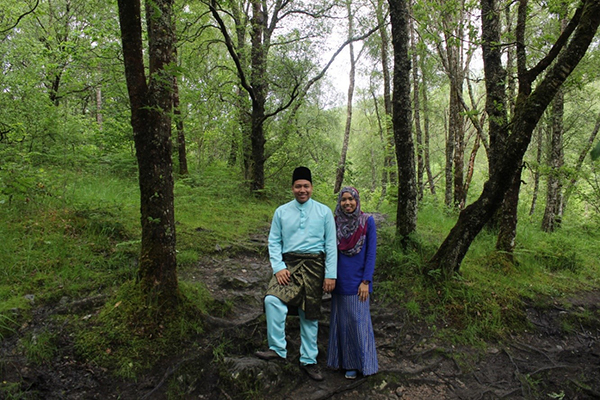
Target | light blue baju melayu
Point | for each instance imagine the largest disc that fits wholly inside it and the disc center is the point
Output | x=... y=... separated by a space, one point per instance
x=299 y=228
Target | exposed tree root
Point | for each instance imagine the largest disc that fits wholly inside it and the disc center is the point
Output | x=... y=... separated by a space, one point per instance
x=586 y=389
x=342 y=389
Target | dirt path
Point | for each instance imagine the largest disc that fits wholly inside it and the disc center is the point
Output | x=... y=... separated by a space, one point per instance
x=545 y=363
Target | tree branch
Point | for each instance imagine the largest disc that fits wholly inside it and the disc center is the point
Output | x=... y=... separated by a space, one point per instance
x=230 y=47
x=20 y=18
x=545 y=62
x=333 y=57
x=279 y=109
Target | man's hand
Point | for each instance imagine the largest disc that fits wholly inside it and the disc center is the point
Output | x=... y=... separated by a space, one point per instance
x=328 y=285
x=283 y=277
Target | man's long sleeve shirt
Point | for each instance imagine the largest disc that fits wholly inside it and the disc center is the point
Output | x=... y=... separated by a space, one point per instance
x=303 y=228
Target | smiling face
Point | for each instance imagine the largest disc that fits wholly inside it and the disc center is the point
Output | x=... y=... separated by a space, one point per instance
x=348 y=203
x=302 y=190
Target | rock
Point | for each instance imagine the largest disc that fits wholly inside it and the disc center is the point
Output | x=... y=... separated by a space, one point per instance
x=234 y=282
x=245 y=370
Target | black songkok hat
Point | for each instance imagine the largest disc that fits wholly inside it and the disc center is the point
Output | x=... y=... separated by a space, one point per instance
x=301 y=173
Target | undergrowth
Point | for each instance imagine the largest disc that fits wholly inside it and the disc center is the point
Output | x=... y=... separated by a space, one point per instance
x=485 y=300
x=131 y=335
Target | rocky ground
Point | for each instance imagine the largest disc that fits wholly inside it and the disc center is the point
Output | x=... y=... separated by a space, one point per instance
x=544 y=363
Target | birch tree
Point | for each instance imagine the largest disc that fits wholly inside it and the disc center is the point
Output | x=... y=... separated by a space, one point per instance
x=341 y=168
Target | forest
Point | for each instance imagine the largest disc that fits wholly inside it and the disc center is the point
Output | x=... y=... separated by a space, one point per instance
x=144 y=146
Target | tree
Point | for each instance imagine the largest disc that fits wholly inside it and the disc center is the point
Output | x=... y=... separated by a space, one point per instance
x=389 y=173
x=341 y=168
x=61 y=28
x=538 y=160
x=417 y=109
x=20 y=15
x=554 y=194
x=181 y=148
x=582 y=156
x=278 y=75
x=54 y=63
x=426 y=120
x=406 y=217
x=553 y=210
x=446 y=26
x=206 y=90
x=453 y=58
x=506 y=217
x=253 y=77
x=507 y=226
x=151 y=101
x=243 y=104
x=509 y=139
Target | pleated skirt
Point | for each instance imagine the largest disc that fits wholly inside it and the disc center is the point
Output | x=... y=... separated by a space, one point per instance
x=351 y=338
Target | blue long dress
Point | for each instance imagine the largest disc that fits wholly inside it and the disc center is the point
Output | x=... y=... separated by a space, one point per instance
x=351 y=337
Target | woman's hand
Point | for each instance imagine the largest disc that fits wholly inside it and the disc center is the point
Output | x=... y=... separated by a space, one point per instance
x=363 y=291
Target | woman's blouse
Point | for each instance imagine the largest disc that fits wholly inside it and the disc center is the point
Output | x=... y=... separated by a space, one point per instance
x=352 y=270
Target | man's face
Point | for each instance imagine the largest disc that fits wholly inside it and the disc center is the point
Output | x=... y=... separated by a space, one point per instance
x=302 y=190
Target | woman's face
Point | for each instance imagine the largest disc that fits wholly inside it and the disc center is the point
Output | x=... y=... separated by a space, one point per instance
x=348 y=203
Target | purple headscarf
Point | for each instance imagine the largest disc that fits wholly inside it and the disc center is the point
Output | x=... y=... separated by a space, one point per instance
x=351 y=228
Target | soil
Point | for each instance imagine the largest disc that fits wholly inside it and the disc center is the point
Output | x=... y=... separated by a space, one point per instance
x=546 y=362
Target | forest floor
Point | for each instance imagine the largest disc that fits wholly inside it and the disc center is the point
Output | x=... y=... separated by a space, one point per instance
x=546 y=362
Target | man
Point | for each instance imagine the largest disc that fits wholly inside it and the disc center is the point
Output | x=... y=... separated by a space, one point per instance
x=303 y=255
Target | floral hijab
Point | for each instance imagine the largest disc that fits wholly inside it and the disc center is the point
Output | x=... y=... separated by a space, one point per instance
x=351 y=228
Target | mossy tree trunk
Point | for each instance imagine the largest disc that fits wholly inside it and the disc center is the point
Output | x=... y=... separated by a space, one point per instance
x=406 y=217
x=151 y=102
x=507 y=232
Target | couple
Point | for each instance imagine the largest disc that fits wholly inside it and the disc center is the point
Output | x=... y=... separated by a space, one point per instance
x=311 y=253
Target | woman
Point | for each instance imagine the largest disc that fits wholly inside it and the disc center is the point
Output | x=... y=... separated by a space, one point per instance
x=351 y=339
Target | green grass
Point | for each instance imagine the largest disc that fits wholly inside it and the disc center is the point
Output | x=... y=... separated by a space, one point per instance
x=85 y=232
x=486 y=301
x=7 y=325
x=39 y=347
